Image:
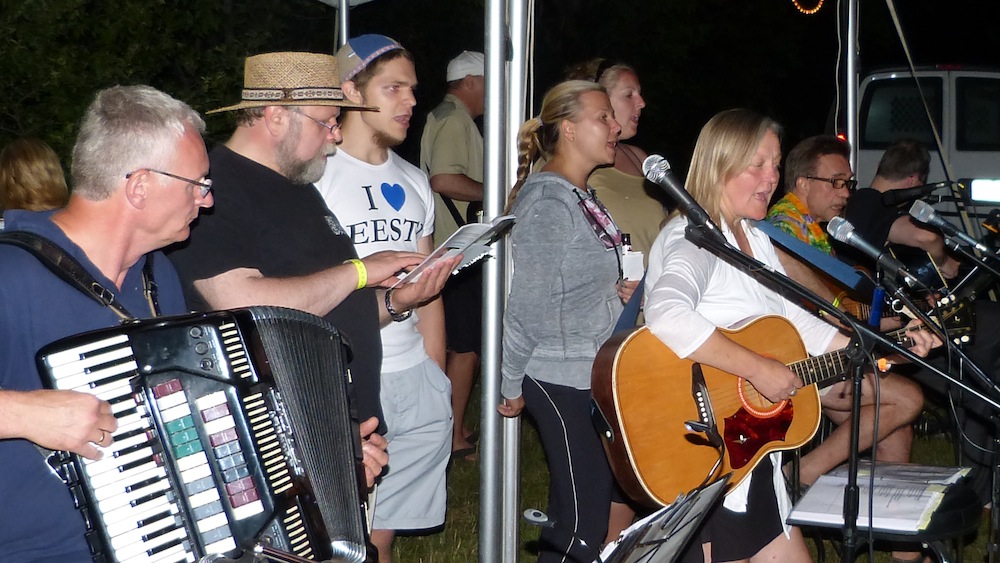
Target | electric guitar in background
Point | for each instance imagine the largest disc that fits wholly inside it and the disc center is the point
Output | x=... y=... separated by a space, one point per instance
x=645 y=404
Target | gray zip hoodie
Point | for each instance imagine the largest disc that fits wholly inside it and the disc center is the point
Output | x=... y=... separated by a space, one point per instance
x=563 y=303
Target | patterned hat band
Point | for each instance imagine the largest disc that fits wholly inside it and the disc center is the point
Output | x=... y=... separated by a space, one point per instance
x=291 y=94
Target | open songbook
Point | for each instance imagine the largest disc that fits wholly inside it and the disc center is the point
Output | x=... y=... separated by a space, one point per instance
x=906 y=496
x=472 y=241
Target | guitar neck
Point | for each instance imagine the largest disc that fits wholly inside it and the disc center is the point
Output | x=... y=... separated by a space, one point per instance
x=832 y=365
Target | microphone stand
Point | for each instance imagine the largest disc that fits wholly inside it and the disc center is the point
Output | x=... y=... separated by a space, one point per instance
x=863 y=341
x=985 y=261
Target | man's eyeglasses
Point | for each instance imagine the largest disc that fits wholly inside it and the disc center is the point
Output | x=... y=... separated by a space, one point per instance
x=332 y=128
x=838 y=183
x=205 y=186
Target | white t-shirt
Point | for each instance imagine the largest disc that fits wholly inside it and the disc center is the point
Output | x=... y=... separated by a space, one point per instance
x=389 y=206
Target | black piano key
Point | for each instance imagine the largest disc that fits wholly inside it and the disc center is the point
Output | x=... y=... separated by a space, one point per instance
x=154 y=518
x=165 y=546
x=162 y=531
x=144 y=483
x=130 y=434
x=131 y=449
x=147 y=498
x=134 y=464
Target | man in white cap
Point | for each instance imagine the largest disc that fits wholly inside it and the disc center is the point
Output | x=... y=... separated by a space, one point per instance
x=386 y=203
x=451 y=154
x=271 y=239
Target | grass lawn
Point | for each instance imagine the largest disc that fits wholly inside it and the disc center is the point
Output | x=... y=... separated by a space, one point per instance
x=457 y=542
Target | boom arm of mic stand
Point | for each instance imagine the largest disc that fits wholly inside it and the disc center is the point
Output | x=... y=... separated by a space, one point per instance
x=758 y=269
x=985 y=261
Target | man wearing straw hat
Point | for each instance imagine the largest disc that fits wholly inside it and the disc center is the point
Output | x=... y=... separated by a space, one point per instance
x=386 y=203
x=271 y=239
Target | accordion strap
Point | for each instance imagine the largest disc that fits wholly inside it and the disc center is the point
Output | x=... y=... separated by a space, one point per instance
x=72 y=272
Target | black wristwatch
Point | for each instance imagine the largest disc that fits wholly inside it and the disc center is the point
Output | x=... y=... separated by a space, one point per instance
x=398 y=317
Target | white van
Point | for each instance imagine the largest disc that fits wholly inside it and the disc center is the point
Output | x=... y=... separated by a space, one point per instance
x=965 y=105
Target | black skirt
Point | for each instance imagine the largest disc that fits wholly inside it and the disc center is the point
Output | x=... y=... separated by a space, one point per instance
x=740 y=535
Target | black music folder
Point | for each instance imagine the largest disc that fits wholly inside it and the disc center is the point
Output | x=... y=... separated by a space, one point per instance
x=663 y=535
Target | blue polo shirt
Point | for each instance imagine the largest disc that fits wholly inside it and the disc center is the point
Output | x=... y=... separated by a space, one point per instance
x=37 y=519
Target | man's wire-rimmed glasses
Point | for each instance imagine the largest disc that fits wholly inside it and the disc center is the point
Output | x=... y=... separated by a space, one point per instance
x=332 y=128
x=205 y=185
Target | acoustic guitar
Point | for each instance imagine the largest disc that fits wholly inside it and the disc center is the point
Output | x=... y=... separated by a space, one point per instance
x=644 y=398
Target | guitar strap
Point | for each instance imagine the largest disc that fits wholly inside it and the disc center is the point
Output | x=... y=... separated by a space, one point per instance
x=629 y=318
x=840 y=271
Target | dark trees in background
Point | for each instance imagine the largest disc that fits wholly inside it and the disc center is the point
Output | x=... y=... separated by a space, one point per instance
x=694 y=57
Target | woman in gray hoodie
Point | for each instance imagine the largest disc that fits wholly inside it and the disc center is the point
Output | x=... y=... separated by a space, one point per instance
x=566 y=295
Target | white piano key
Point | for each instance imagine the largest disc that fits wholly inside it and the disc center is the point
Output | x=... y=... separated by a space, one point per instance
x=118 y=488
x=109 y=477
x=126 y=497
x=135 y=534
x=143 y=547
x=130 y=514
x=111 y=463
x=74 y=355
x=105 y=379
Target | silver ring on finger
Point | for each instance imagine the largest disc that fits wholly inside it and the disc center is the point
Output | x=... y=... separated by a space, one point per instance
x=794 y=391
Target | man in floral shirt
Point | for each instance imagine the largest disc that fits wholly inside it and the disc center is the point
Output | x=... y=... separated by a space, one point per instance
x=818 y=183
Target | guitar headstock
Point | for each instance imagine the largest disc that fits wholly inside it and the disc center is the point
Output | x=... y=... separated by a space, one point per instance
x=958 y=319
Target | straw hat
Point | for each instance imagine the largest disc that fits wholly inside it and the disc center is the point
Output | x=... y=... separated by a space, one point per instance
x=291 y=79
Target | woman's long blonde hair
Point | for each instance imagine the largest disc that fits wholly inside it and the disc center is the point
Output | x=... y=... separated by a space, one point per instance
x=724 y=148
x=31 y=177
x=538 y=137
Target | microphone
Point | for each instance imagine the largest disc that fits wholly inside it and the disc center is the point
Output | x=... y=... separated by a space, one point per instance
x=842 y=230
x=923 y=212
x=657 y=170
x=892 y=197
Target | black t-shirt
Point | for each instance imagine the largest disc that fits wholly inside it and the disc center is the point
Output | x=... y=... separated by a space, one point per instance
x=870 y=217
x=873 y=220
x=261 y=220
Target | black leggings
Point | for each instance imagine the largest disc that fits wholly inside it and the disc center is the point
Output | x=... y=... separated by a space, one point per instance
x=580 y=477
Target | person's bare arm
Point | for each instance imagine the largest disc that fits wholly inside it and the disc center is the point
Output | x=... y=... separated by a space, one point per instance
x=457 y=186
x=58 y=420
x=316 y=293
x=905 y=231
x=431 y=313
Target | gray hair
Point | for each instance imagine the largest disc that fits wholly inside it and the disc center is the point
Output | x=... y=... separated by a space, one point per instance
x=127 y=128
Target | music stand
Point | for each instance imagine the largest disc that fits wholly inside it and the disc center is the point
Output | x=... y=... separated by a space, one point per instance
x=662 y=536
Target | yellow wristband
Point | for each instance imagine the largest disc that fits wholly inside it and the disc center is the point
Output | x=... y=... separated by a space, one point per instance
x=362 y=271
x=836 y=300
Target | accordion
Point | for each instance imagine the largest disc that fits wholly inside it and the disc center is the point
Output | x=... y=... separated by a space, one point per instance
x=235 y=436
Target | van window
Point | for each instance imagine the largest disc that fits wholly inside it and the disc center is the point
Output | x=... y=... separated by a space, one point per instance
x=978 y=114
x=892 y=109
